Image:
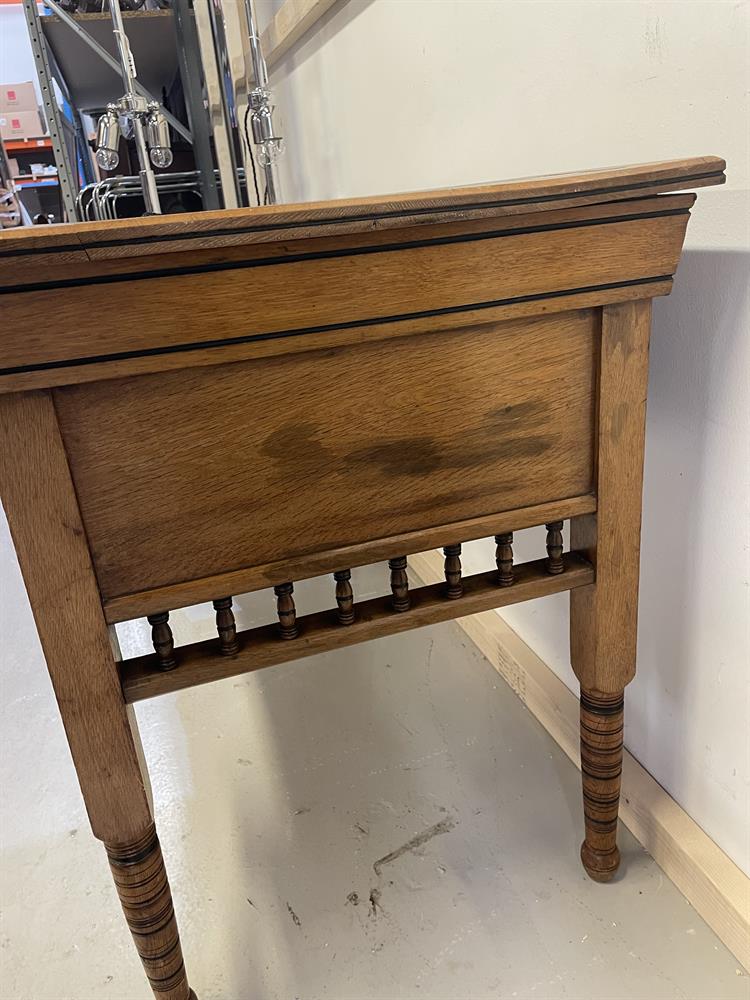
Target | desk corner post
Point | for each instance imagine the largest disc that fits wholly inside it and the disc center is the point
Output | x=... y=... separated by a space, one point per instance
x=604 y=615
x=50 y=540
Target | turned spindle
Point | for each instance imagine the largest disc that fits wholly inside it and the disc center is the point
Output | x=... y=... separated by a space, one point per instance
x=344 y=596
x=601 y=767
x=455 y=587
x=161 y=637
x=286 y=610
x=399 y=583
x=555 y=547
x=504 y=558
x=225 y=625
x=141 y=881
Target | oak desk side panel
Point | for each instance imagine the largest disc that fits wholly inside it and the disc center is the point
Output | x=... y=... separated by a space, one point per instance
x=207 y=305
x=205 y=471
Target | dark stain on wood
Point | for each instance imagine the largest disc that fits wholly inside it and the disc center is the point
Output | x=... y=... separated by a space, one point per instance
x=419 y=456
x=296 y=442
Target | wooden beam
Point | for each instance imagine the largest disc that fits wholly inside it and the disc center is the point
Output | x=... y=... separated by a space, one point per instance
x=182 y=595
x=293 y=19
x=201 y=662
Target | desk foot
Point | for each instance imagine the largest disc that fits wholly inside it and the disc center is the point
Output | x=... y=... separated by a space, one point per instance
x=600 y=866
x=601 y=769
x=141 y=881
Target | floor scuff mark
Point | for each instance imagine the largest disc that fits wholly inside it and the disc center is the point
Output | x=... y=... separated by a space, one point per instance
x=444 y=826
x=293 y=915
x=374 y=902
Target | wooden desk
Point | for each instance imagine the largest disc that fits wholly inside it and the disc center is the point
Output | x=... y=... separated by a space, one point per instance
x=199 y=406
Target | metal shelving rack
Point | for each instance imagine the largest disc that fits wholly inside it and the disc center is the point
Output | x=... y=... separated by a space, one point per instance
x=84 y=77
x=56 y=121
x=208 y=44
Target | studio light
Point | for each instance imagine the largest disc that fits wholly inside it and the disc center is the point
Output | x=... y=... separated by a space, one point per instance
x=108 y=139
x=132 y=115
x=157 y=137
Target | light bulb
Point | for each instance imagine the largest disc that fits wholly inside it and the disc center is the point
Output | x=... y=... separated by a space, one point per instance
x=108 y=139
x=269 y=151
x=161 y=156
x=107 y=158
x=157 y=136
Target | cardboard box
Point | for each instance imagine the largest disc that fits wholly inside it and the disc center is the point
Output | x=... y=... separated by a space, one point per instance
x=20 y=124
x=17 y=97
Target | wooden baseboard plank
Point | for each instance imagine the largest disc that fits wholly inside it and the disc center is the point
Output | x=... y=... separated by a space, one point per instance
x=293 y=20
x=717 y=889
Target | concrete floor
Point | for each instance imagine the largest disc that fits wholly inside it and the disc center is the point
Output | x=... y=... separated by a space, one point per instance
x=286 y=804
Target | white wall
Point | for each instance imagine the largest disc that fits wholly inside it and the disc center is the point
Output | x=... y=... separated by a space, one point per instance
x=405 y=94
x=16 y=57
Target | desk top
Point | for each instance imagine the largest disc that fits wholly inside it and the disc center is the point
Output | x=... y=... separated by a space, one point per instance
x=174 y=233
x=102 y=300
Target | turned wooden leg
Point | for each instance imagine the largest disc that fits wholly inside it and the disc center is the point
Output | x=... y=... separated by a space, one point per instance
x=81 y=655
x=604 y=615
x=601 y=768
x=141 y=881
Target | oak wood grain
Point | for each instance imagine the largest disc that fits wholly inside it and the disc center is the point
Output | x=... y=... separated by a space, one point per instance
x=509 y=197
x=271 y=460
x=136 y=605
x=101 y=371
x=50 y=542
x=34 y=264
x=162 y=312
x=604 y=617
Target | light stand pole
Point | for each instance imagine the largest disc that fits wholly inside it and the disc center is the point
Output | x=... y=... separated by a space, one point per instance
x=270 y=146
x=145 y=119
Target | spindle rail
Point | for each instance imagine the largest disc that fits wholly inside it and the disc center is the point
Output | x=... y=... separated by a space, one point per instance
x=256 y=648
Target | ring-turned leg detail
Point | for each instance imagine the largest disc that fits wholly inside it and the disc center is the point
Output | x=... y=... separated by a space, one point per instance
x=344 y=596
x=601 y=768
x=454 y=587
x=286 y=610
x=141 y=881
x=399 y=583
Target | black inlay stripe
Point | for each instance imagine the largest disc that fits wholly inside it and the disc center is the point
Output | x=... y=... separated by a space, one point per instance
x=405 y=213
x=303 y=331
x=239 y=265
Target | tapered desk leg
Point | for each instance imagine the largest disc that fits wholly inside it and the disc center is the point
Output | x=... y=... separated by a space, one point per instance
x=52 y=550
x=604 y=616
x=141 y=881
x=601 y=768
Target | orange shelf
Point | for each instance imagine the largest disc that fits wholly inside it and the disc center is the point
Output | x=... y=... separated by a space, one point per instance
x=35 y=182
x=21 y=145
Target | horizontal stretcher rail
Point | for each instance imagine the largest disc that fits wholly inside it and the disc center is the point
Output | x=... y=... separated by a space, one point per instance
x=202 y=662
x=304 y=567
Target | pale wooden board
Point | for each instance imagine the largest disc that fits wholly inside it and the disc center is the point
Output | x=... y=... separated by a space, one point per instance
x=713 y=884
x=292 y=20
